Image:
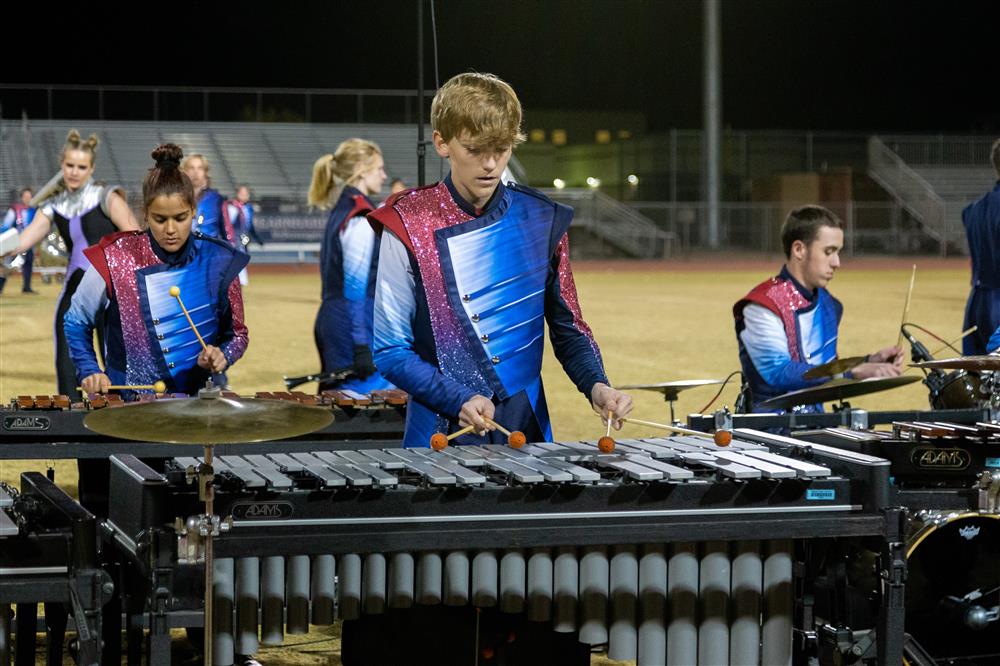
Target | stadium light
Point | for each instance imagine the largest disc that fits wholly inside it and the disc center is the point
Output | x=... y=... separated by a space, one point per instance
x=559 y=183
x=593 y=182
x=632 y=179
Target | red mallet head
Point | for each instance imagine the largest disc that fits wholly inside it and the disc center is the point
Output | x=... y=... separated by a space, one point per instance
x=723 y=437
x=606 y=444
x=517 y=439
x=439 y=441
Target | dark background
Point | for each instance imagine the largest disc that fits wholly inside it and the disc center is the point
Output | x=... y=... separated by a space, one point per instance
x=787 y=64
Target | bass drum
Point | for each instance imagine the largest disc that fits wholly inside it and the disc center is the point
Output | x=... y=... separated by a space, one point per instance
x=953 y=580
x=958 y=390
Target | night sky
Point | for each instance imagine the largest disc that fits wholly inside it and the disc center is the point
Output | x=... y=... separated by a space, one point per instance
x=798 y=64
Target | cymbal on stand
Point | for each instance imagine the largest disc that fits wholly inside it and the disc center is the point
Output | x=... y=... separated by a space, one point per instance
x=987 y=362
x=670 y=390
x=836 y=390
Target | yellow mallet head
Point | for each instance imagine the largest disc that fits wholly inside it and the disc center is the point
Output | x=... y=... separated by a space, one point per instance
x=175 y=291
x=160 y=387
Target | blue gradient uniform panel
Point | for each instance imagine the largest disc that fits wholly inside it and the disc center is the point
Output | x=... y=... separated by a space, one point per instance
x=166 y=321
x=502 y=294
x=208 y=215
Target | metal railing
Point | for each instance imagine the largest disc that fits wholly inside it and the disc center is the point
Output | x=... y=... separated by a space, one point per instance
x=870 y=227
x=616 y=224
x=942 y=150
x=912 y=192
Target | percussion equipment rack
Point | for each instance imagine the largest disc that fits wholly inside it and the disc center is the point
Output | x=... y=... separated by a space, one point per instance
x=855 y=419
x=48 y=554
x=468 y=499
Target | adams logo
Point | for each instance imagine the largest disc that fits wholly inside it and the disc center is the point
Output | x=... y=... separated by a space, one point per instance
x=929 y=457
x=262 y=510
x=26 y=423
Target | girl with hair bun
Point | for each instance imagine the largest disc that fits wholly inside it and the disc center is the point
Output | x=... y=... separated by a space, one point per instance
x=83 y=212
x=147 y=337
x=131 y=274
x=348 y=259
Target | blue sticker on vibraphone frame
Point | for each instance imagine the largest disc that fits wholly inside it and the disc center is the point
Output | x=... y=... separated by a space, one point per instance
x=821 y=494
x=993 y=462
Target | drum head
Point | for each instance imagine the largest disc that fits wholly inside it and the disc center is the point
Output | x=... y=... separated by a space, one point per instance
x=947 y=561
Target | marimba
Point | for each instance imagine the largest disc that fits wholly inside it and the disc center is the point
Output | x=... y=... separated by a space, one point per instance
x=671 y=550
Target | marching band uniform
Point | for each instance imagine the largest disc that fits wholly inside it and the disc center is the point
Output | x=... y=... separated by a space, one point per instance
x=82 y=217
x=208 y=215
x=461 y=303
x=147 y=336
x=19 y=216
x=237 y=218
x=982 y=229
x=783 y=330
x=348 y=262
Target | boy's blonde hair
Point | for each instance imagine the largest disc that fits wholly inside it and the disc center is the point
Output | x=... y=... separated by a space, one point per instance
x=482 y=105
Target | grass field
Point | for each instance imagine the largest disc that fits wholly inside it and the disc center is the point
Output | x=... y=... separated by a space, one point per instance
x=653 y=322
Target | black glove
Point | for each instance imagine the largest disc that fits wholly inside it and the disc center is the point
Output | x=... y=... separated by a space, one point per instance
x=363 y=365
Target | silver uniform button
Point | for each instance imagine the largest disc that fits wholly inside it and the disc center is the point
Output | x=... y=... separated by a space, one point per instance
x=475 y=318
x=156 y=321
x=166 y=350
x=159 y=336
x=170 y=365
x=495 y=359
x=485 y=337
x=466 y=298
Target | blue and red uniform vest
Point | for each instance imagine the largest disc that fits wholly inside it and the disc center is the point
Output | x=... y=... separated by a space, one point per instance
x=809 y=321
x=159 y=343
x=489 y=282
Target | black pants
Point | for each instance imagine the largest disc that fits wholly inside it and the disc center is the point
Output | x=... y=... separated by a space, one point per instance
x=457 y=636
x=65 y=370
x=26 y=268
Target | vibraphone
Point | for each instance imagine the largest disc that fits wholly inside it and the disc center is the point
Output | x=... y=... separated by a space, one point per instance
x=44 y=427
x=935 y=464
x=655 y=549
x=48 y=554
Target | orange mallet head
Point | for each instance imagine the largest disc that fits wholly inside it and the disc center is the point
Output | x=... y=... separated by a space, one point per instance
x=439 y=441
x=517 y=439
x=606 y=444
x=723 y=437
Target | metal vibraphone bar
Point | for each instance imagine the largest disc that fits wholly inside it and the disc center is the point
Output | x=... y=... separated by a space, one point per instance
x=48 y=427
x=48 y=554
x=655 y=548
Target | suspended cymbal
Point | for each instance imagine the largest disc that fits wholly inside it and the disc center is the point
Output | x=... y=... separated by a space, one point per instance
x=835 y=367
x=671 y=389
x=837 y=389
x=986 y=362
x=209 y=421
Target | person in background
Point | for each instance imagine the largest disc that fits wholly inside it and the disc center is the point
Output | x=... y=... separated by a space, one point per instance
x=83 y=211
x=982 y=230
x=208 y=216
x=789 y=323
x=19 y=216
x=396 y=186
x=237 y=216
x=343 y=183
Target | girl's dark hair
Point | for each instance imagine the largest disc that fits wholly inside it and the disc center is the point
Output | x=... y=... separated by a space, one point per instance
x=166 y=178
